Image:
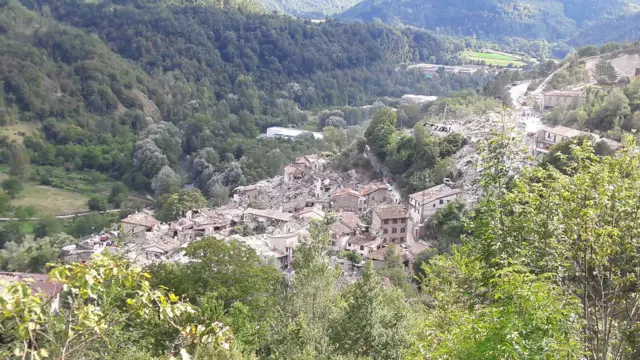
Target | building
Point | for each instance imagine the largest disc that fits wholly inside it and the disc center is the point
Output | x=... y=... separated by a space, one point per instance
x=312 y=213
x=547 y=137
x=375 y=194
x=287 y=133
x=265 y=217
x=555 y=98
x=423 y=204
x=248 y=193
x=390 y=223
x=347 y=225
x=39 y=284
x=349 y=200
x=138 y=223
x=364 y=244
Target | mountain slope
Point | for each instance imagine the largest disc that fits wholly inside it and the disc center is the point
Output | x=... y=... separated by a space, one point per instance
x=309 y=8
x=625 y=28
x=494 y=19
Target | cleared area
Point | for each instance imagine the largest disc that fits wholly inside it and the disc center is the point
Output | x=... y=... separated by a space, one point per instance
x=497 y=59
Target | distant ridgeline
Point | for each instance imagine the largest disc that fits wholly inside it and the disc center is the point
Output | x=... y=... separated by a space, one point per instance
x=551 y=20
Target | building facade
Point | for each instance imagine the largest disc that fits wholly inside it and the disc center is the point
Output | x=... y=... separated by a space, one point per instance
x=567 y=98
x=423 y=204
x=391 y=223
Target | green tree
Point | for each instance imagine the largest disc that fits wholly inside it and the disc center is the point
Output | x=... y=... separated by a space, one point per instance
x=178 y=204
x=446 y=226
x=374 y=321
x=11 y=231
x=336 y=139
x=47 y=226
x=119 y=193
x=393 y=267
x=97 y=203
x=550 y=222
x=107 y=302
x=242 y=284
x=12 y=186
x=380 y=132
x=19 y=162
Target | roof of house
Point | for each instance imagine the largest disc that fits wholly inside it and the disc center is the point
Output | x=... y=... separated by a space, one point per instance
x=311 y=212
x=434 y=193
x=140 y=218
x=368 y=189
x=564 y=93
x=564 y=131
x=340 y=228
x=271 y=214
x=39 y=283
x=347 y=191
x=291 y=168
x=391 y=212
x=365 y=240
x=350 y=220
x=378 y=254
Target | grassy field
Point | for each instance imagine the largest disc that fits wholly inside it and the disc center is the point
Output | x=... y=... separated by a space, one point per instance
x=17 y=131
x=48 y=200
x=496 y=59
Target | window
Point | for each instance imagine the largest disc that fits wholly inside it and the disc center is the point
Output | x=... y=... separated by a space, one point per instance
x=403 y=230
x=384 y=231
x=386 y=222
x=394 y=230
x=361 y=247
x=373 y=198
x=349 y=244
x=401 y=239
x=395 y=221
x=434 y=205
x=403 y=221
x=441 y=201
x=393 y=240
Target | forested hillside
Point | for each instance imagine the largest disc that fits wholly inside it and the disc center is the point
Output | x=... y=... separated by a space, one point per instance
x=494 y=19
x=131 y=88
x=309 y=8
x=624 y=28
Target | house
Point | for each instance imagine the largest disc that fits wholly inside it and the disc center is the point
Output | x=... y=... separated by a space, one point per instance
x=138 y=223
x=348 y=199
x=284 y=242
x=247 y=193
x=339 y=235
x=39 y=284
x=548 y=137
x=293 y=172
x=160 y=250
x=391 y=223
x=265 y=217
x=423 y=204
x=555 y=98
x=312 y=213
x=375 y=194
x=364 y=244
x=350 y=220
x=288 y=133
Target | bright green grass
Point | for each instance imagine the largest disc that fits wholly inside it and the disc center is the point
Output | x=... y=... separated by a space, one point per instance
x=493 y=58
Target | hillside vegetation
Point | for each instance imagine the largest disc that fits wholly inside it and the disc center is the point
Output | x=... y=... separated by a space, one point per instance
x=176 y=92
x=309 y=8
x=494 y=19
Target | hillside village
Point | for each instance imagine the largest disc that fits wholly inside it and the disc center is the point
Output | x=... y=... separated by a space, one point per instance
x=367 y=216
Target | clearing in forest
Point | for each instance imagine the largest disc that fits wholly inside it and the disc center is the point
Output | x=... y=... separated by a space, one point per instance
x=496 y=59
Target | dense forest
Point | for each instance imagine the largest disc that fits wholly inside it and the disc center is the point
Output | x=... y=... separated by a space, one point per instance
x=131 y=88
x=494 y=19
x=309 y=8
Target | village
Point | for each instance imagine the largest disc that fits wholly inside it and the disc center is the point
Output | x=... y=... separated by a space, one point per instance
x=272 y=216
x=366 y=212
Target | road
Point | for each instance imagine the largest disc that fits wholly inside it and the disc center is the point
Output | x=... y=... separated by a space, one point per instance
x=62 y=216
x=526 y=115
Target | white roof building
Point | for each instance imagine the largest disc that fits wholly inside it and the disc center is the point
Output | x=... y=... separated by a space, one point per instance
x=281 y=132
